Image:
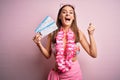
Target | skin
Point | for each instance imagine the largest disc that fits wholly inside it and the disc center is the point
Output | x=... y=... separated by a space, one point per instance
x=67 y=13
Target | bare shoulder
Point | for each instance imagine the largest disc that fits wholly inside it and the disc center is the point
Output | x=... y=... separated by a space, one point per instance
x=49 y=37
x=81 y=34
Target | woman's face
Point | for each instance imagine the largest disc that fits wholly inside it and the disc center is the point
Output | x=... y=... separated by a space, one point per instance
x=67 y=16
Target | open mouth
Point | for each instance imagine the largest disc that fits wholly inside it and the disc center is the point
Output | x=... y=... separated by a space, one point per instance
x=67 y=19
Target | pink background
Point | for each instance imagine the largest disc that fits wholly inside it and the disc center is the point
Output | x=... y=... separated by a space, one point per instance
x=20 y=59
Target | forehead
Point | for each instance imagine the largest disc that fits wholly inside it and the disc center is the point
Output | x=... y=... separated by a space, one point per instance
x=67 y=8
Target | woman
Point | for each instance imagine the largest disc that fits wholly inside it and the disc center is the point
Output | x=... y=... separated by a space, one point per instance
x=63 y=43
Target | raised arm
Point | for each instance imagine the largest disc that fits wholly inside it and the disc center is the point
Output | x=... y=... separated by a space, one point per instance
x=46 y=51
x=90 y=48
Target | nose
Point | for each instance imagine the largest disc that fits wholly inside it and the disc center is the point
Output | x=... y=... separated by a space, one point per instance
x=67 y=13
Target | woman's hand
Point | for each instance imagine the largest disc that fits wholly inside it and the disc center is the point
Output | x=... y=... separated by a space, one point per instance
x=44 y=50
x=37 y=38
x=91 y=29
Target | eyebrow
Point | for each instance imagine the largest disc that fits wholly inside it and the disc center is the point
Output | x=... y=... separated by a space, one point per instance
x=66 y=10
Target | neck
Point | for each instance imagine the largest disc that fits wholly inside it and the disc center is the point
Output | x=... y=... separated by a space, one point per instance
x=66 y=28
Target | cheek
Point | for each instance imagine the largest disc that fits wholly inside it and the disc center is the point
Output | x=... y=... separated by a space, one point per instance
x=61 y=17
x=73 y=17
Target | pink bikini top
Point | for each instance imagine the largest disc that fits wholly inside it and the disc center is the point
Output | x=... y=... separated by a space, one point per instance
x=77 y=45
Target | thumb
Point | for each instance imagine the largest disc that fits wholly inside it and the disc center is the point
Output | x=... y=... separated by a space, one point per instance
x=90 y=24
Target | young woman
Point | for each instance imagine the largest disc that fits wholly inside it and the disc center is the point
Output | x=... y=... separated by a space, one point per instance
x=62 y=43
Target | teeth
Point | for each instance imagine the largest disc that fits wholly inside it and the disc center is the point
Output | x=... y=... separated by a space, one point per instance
x=67 y=19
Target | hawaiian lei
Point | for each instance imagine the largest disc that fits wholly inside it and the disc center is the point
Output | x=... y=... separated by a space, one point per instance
x=65 y=53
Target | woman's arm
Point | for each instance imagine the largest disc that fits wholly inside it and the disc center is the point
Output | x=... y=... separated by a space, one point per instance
x=46 y=51
x=90 y=48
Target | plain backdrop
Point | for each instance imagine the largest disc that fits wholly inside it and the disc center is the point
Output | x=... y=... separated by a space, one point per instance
x=20 y=58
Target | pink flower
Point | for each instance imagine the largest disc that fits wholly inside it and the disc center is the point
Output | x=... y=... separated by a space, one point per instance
x=64 y=55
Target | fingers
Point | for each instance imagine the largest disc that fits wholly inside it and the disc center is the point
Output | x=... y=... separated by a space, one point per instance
x=91 y=28
x=37 y=38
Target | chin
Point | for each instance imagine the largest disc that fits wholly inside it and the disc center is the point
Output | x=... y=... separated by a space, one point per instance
x=67 y=25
